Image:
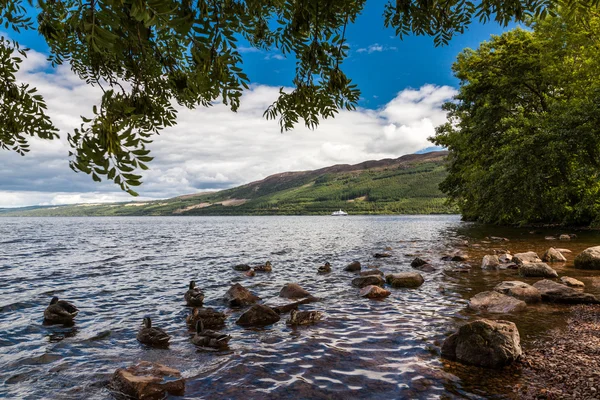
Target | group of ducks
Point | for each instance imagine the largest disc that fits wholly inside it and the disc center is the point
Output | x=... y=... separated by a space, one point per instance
x=202 y=319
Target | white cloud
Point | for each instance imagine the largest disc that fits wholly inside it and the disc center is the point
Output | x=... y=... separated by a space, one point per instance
x=376 y=48
x=212 y=148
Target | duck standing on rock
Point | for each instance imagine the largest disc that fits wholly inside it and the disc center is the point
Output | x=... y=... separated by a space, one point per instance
x=304 y=317
x=324 y=269
x=207 y=338
x=210 y=317
x=60 y=312
x=264 y=268
x=151 y=336
x=194 y=296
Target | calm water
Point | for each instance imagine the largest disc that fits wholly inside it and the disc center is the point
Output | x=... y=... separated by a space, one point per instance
x=116 y=270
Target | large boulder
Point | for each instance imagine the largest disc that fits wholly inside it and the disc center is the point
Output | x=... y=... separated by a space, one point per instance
x=554 y=292
x=519 y=290
x=405 y=280
x=147 y=381
x=484 y=343
x=363 y=281
x=553 y=255
x=528 y=257
x=490 y=262
x=589 y=258
x=566 y=280
x=239 y=296
x=293 y=291
x=354 y=266
x=258 y=315
x=374 y=292
x=540 y=269
x=495 y=302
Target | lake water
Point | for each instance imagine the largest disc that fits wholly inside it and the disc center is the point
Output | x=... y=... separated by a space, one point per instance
x=117 y=270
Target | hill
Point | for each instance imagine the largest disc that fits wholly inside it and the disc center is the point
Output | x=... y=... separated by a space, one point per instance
x=406 y=185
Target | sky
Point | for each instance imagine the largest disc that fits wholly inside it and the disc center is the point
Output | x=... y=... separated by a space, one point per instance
x=403 y=84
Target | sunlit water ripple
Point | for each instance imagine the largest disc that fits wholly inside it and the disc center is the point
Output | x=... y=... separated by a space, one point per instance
x=116 y=270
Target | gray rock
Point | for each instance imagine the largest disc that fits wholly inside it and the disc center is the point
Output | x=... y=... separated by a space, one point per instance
x=540 y=269
x=505 y=258
x=354 y=266
x=490 y=262
x=293 y=291
x=557 y=293
x=495 y=302
x=239 y=296
x=571 y=282
x=519 y=290
x=258 y=315
x=405 y=280
x=484 y=343
x=528 y=257
x=363 y=281
x=589 y=258
x=564 y=251
x=564 y=237
x=553 y=255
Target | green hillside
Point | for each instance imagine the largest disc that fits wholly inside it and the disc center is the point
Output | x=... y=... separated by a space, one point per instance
x=407 y=185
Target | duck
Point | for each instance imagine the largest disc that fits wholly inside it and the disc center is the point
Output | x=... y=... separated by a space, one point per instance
x=324 y=269
x=194 y=296
x=211 y=318
x=60 y=312
x=250 y=273
x=152 y=336
x=208 y=338
x=264 y=268
x=304 y=317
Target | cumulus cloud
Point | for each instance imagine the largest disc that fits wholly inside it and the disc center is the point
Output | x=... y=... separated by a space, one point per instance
x=212 y=148
x=376 y=48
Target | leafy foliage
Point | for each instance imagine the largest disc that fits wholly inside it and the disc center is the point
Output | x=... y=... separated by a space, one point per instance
x=524 y=130
x=148 y=55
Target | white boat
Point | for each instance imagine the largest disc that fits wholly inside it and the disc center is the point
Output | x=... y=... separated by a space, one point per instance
x=338 y=213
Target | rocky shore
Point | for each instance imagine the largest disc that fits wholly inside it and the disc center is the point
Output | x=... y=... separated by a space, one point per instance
x=565 y=365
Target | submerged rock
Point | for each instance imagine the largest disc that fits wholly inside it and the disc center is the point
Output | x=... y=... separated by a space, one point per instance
x=363 y=281
x=147 y=380
x=528 y=257
x=571 y=282
x=405 y=280
x=484 y=343
x=239 y=296
x=490 y=262
x=293 y=291
x=554 y=292
x=371 y=272
x=495 y=302
x=540 y=269
x=426 y=268
x=589 y=258
x=553 y=255
x=354 y=266
x=258 y=315
x=519 y=290
x=382 y=255
x=417 y=262
x=374 y=292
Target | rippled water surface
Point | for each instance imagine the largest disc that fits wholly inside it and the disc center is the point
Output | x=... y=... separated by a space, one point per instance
x=117 y=270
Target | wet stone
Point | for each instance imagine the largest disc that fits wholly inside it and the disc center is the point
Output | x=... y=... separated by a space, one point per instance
x=148 y=381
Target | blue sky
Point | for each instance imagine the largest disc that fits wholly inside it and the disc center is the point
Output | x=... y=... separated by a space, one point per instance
x=404 y=84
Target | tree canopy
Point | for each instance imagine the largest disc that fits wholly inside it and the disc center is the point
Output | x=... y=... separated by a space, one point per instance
x=524 y=130
x=150 y=55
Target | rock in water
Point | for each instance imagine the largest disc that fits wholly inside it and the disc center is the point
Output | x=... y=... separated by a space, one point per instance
x=293 y=291
x=382 y=255
x=371 y=272
x=588 y=259
x=426 y=268
x=484 y=343
x=258 y=315
x=241 y=267
x=571 y=282
x=495 y=302
x=148 y=381
x=519 y=290
x=556 y=293
x=354 y=266
x=542 y=270
x=505 y=258
x=374 y=292
x=417 y=262
x=528 y=257
x=363 y=281
x=490 y=262
x=553 y=255
x=239 y=296
x=564 y=237
x=405 y=280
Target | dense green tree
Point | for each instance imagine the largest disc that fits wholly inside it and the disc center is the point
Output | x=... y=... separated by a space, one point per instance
x=148 y=55
x=524 y=130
